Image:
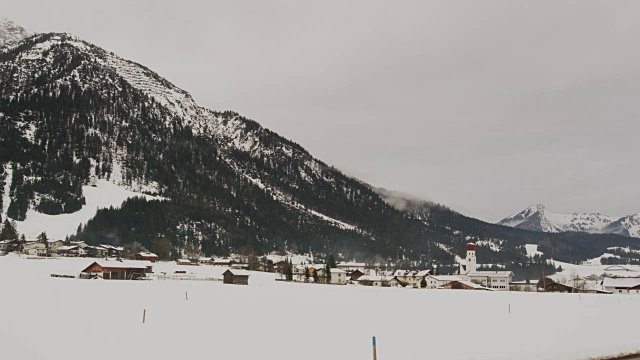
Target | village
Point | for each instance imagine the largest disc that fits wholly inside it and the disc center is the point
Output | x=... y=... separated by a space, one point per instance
x=111 y=263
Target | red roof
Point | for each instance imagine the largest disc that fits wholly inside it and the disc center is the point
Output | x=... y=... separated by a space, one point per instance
x=471 y=246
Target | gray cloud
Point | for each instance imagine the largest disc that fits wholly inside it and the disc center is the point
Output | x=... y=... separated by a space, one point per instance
x=485 y=106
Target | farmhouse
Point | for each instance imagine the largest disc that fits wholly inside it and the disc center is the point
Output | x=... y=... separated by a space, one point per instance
x=54 y=245
x=464 y=285
x=237 y=277
x=437 y=281
x=7 y=245
x=411 y=278
x=33 y=247
x=378 y=280
x=355 y=275
x=117 y=270
x=622 y=285
x=146 y=256
x=224 y=262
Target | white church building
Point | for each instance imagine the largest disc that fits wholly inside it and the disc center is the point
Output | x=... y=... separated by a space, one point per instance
x=496 y=280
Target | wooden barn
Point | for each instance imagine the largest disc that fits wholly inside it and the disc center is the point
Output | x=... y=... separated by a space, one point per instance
x=117 y=270
x=146 y=256
x=237 y=277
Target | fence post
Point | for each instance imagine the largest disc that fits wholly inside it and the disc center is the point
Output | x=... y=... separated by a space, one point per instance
x=144 y=316
x=375 y=355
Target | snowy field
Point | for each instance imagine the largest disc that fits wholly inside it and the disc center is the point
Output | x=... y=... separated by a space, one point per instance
x=56 y=318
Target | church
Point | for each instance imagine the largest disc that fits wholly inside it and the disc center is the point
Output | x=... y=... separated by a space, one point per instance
x=496 y=280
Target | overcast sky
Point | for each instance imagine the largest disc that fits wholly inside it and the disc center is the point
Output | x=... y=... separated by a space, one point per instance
x=485 y=106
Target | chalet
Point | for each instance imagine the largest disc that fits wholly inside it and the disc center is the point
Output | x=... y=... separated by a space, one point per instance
x=622 y=285
x=146 y=256
x=378 y=280
x=549 y=285
x=224 y=262
x=464 y=285
x=117 y=270
x=113 y=250
x=351 y=266
x=355 y=275
x=524 y=285
x=437 y=281
x=411 y=278
x=7 y=245
x=237 y=277
x=34 y=247
x=54 y=245
x=73 y=250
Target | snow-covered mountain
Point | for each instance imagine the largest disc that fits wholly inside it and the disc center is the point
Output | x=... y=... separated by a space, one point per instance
x=106 y=150
x=538 y=218
x=10 y=33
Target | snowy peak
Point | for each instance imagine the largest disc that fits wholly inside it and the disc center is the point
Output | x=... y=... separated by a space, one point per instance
x=537 y=218
x=10 y=33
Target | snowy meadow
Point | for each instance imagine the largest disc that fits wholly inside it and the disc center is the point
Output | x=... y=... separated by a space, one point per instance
x=58 y=318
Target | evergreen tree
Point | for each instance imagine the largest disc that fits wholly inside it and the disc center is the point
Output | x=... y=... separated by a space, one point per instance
x=306 y=274
x=315 y=276
x=42 y=238
x=331 y=262
x=288 y=272
x=423 y=283
x=9 y=231
x=328 y=273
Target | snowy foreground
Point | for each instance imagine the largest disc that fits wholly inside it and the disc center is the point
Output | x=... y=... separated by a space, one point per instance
x=57 y=318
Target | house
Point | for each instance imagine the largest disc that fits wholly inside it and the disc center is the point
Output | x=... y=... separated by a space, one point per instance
x=7 y=245
x=549 y=285
x=355 y=275
x=351 y=266
x=437 y=281
x=224 y=262
x=622 y=285
x=33 y=247
x=378 y=280
x=78 y=249
x=183 y=262
x=113 y=250
x=146 y=256
x=464 y=285
x=338 y=276
x=237 y=277
x=411 y=278
x=54 y=245
x=524 y=285
x=117 y=270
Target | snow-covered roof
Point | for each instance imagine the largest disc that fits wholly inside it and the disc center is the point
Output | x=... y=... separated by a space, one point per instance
x=490 y=273
x=129 y=264
x=447 y=278
x=147 y=254
x=620 y=282
x=183 y=261
x=334 y=270
x=239 y=272
x=351 y=264
x=472 y=285
x=375 y=278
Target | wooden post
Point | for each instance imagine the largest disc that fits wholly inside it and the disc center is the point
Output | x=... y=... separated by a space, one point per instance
x=144 y=316
x=186 y=295
x=509 y=308
x=375 y=356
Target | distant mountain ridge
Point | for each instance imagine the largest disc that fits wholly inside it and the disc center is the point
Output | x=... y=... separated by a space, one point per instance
x=11 y=34
x=538 y=218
